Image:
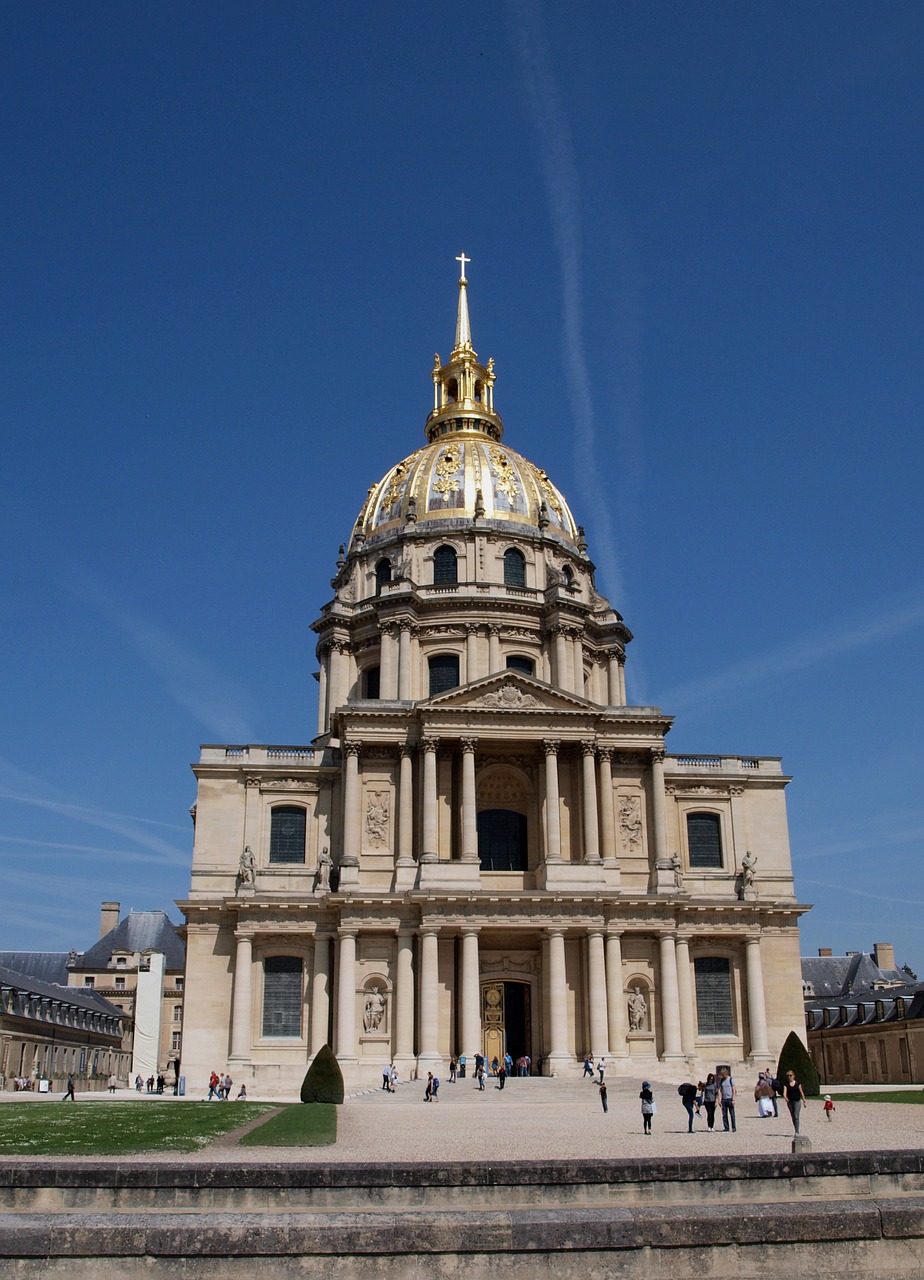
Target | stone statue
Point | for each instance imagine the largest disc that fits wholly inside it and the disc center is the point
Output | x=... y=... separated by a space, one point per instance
x=373 y=1010
x=746 y=878
x=638 y=1010
x=247 y=869
x=324 y=865
x=678 y=872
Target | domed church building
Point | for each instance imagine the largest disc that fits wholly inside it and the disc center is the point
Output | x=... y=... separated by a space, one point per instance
x=485 y=849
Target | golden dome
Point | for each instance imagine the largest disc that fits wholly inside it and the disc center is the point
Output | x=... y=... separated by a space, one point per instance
x=464 y=472
x=461 y=476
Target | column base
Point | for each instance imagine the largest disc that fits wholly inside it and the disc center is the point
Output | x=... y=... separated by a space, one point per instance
x=349 y=876
x=450 y=875
x=405 y=875
x=558 y=1063
x=429 y=1062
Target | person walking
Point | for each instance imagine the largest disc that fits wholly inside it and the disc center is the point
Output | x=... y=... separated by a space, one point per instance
x=502 y=1075
x=69 y=1095
x=452 y=1071
x=588 y=1067
x=795 y=1096
x=710 y=1094
x=601 y=1068
x=649 y=1107
x=112 y=1084
x=428 y=1092
x=829 y=1106
x=727 y=1095
x=603 y=1097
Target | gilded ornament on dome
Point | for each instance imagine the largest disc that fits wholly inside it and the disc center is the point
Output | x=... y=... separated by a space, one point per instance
x=504 y=474
x=548 y=489
x=447 y=470
x=396 y=487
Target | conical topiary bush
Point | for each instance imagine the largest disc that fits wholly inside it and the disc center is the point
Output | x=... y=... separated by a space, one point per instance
x=796 y=1058
x=323 y=1080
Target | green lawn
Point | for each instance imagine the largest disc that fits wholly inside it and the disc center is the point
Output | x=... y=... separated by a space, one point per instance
x=913 y=1096
x=56 y=1128
x=300 y=1124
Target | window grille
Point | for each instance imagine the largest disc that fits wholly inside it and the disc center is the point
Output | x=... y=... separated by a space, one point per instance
x=514 y=568
x=444 y=673
x=713 y=996
x=704 y=839
x=502 y=844
x=517 y=663
x=287 y=835
x=282 y=996
x=445 y=566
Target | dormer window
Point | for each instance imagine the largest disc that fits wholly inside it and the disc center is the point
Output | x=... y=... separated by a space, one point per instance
x=121 y=962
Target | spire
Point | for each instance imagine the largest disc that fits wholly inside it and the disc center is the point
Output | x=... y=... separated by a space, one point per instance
x=463 y=326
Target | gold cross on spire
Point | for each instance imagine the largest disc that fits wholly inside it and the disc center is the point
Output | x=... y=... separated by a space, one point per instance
x=462 y=259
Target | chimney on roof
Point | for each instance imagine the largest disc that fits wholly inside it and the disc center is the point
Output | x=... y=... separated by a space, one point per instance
x=108 y=917
x=884 y=955
x=851 y=953
x=825 y=951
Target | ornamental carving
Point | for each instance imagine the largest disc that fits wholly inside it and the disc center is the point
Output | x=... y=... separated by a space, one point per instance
x=374 y=1007
x=505 y=476
x=447 y=471
x=630 y=822
x=507 y=698
x=501 y=788
x=396 y=487
x=377 y=804
x=287 y=784
x=637 y=1010
x=702 y=790
x=551 y=497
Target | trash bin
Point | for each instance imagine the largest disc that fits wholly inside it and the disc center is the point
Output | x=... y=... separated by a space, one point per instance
x=44 y=1086
x=182 y=1086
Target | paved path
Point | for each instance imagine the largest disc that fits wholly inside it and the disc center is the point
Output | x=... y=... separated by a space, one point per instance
x=559 y=1120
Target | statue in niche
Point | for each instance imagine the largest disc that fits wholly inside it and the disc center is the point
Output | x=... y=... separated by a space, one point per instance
x=630 y=821
x=638 y=1010
x=746 y=876
x=373 y=1010
x=323 y=872
x=377 y=819
x=678 y=872
x=247 y=869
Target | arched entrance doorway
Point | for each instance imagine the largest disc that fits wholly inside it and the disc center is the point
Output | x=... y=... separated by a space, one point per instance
x=506 y=1021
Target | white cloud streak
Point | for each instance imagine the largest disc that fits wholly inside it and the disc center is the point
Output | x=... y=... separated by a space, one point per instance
x=879 y=624
x=548 y=117
x=191 y=682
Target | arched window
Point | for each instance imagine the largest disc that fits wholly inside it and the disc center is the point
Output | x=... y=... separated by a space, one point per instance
x=287 y=834
x=518 y=663
x=282 y=996
x=444 y=673
x=502 y=840
x=514 y=568
x=445 y=566
x=382 y=574
x=567 y=574
x=714 y=1015
x=371 y=682
x=452 y=389
x=704 y=839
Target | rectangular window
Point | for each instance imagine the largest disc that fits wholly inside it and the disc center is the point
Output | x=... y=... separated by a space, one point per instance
x=120 y=984
x=175 y=1042
x=845 y=1053
x=704 y=839
x=282 y=996
x=178 y=983
x=883 y=1059
x=177 y=1013
x=713 y=996
x=904 y=1058
x=287 y=834
x=89 y=982
x=864 y=1059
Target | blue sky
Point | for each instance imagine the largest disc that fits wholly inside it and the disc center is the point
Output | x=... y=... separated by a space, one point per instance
x=229 y=235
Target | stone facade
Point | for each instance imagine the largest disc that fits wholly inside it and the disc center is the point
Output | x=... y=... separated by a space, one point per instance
x=485 y=848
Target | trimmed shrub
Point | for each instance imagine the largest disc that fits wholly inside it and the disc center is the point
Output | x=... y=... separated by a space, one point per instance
x=796 y=1058
x=324 y=1080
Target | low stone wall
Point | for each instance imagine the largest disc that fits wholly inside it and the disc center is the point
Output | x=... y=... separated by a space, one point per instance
x=805 y=1216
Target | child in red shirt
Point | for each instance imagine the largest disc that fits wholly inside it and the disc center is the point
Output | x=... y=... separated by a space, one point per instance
x=829 y=1106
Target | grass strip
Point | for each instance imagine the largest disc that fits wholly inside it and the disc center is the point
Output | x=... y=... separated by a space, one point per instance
x=116 y=1128
x=915 y=1097
x=299 y=1124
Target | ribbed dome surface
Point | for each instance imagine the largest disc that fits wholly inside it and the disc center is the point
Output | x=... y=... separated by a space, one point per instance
x=442 y=482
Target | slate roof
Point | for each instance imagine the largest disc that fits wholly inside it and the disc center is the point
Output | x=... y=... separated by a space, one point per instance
x=836 y=977
x=83 y=997
x=47 y=966
x=138 y=931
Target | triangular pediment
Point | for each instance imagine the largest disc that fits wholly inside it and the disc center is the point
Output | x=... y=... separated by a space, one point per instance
x=509 y=691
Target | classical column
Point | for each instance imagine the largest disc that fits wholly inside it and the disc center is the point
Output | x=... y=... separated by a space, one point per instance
x=494 y=651
x=596 y=994
x=404 y=997
x=552 y=805
x=757 y=1014
x=471 y=995
x=591 y=819
x=430 y=851
x=469 y=819
x=322 y=697
x=615 y=996
x=605 y=802
x=558 y=1011
x=562 y=672
x=471 y=652
x=243 y=998
x=351 y=805
x=320 y=993
x=670 y=1001
x=336 y=662
x=388 y=674
x=622 y=679
x=686 y=997
x=612 y=679
x=577 y=664
x=406 y=805
x=404 y=661
x=658 y=804
x=416 y=691
x=346 y=995
x=429 y=997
